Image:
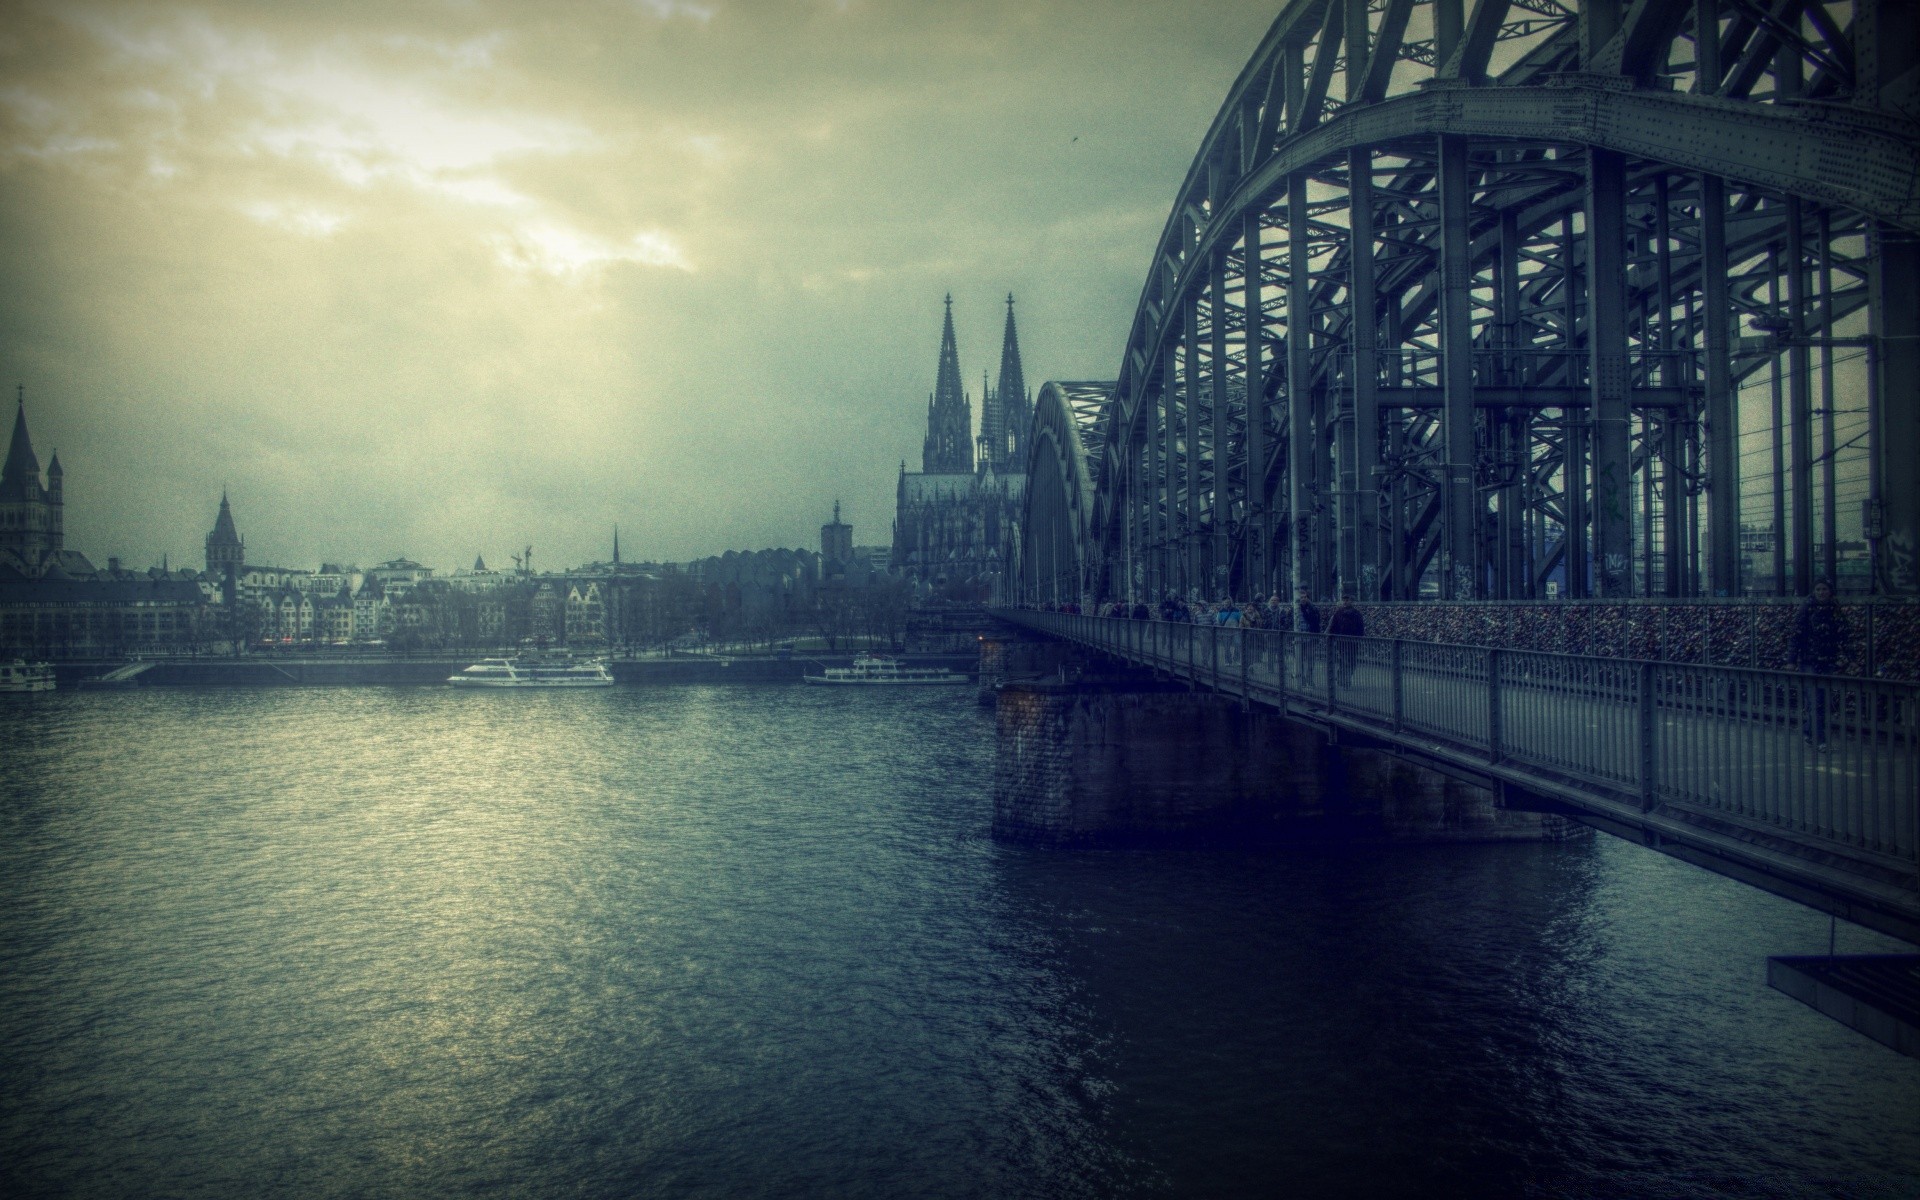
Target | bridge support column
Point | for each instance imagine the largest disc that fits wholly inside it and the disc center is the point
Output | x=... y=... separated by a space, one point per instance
x=1893 y=516
x=1460 y=571
x=1019 y=655
x=1607 y=373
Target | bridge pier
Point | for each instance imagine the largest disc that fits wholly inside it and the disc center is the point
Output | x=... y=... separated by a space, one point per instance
x=1015 y=653
x=1094 y=753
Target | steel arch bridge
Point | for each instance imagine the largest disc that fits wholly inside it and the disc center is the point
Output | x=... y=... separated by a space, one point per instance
x=1475 y=298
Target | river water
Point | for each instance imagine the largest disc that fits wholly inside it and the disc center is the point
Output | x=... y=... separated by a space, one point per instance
x=755 y=941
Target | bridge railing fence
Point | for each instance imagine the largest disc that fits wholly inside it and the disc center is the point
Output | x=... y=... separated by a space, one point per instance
x=1831 y=758
x=1834 y=758
x=1576 y=716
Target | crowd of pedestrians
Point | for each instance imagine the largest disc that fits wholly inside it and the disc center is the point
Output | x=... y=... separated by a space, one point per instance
x=1303 y=615
x=1820 y=634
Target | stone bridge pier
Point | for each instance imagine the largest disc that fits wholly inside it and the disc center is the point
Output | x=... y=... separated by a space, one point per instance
x=1091 y=751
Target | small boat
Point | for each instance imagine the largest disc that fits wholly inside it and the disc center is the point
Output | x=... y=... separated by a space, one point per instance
x=530 y=672
x=23 y=676
x=874 y=670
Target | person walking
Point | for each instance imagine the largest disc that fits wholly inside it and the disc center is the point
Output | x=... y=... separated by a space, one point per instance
x=1306 y=614
x=1819 y=631
x=1346 y=623
x=1306 y=619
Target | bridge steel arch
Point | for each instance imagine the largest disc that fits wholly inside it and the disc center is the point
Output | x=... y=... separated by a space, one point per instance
x=1471 y=298
x=1053 y=543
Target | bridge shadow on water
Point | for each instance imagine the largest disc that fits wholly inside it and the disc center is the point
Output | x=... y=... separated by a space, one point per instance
x=1575 y=1019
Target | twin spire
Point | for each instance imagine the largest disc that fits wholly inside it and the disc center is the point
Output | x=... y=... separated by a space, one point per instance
x=1005 y=411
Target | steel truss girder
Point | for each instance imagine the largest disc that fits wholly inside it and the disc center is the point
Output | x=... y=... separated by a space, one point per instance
x=1237 y=421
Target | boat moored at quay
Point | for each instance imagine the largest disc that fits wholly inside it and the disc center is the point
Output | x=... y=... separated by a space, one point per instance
x=23 y=676
x=871 y=670
x=530 y=672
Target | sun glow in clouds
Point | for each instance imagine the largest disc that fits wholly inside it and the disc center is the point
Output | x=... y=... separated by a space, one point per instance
x=569 y=254
x=306 y=220
x=387 y=117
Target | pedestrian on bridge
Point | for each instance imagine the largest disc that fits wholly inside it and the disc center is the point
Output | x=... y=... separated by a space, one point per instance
x=1346 y=622
x=1306 y=614
x=1306 y=619
x=1819 y=632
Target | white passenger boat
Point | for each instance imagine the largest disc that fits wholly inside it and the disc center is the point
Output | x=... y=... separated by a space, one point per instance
x=534 y=672
x=23 y=676
x=873 y=670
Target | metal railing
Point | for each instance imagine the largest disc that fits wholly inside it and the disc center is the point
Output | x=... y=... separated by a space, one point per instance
x=1828 y=764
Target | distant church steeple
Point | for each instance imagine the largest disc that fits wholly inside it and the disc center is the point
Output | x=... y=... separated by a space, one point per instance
x=31 y=511
x=226 y=552
x=949 y=446
x=20 y=478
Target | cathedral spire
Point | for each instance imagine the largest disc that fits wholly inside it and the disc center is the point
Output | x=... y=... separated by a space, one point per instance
x=946 y=388
x=1013 y=383
x=1016 y=411
x=949 y=446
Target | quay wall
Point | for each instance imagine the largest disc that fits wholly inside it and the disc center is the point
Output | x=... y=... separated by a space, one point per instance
x=416 y=672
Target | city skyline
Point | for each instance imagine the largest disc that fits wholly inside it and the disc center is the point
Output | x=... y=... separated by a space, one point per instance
x=412 y=281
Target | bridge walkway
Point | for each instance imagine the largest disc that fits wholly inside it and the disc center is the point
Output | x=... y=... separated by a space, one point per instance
x=1806 y=786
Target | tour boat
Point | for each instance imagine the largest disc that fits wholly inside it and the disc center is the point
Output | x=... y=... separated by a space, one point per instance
x=23 y=676
x=534 y=672
x=872 y=669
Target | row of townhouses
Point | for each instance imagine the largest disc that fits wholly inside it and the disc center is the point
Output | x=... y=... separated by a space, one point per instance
x=55 y=603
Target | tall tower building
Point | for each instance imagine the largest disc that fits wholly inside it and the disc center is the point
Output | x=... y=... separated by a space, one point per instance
x=949 y=445
x=226 y=552
x=31 y=512
x=836 y=543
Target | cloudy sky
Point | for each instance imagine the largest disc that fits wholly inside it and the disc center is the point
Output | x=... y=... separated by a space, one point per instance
x=438 y=277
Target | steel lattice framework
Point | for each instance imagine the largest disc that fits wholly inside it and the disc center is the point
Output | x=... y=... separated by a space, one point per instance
x=1507 y=283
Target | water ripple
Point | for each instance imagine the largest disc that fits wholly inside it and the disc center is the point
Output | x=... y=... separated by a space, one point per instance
x=755 y=942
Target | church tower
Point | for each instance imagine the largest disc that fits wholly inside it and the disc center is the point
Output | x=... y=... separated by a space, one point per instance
x=949 y=445
x=226 y=553
x=31 y=526
x=836 y=544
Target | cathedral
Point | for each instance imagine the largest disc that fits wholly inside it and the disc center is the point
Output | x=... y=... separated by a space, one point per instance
x=957 y=518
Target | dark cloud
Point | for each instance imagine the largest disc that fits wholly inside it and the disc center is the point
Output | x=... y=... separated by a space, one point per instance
x=443 y=277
